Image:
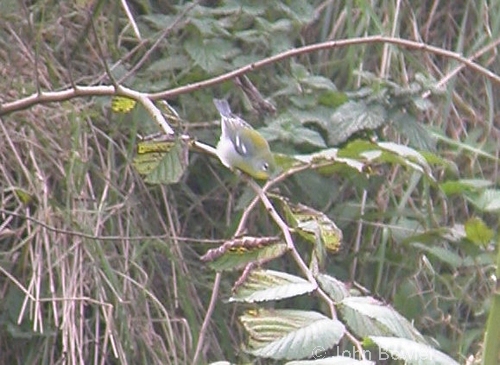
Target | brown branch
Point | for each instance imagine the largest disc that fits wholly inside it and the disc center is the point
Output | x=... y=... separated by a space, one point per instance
x=323 y=46
x=55 y=96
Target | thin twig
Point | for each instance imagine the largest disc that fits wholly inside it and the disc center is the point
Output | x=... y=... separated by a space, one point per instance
x=208 y=316
x=131 y=19
x=155 y=45
x=359 y=232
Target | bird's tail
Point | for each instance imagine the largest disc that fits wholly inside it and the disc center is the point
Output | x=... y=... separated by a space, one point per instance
x=223 y=107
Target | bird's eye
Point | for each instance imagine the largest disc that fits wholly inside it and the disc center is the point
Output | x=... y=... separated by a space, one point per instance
x=265 y=166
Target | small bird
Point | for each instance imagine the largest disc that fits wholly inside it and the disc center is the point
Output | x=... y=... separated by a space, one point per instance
x=242 y=147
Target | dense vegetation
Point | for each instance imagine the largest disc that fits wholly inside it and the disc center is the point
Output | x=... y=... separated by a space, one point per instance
x=380 y=234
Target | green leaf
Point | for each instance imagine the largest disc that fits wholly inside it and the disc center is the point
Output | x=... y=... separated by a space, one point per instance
x=455 y=233
x=169 y=64
x=411 y=156
x=405 y=228
x=413 y=353
x=208 y=26
x=265 y=285
x=487 y=201
x=158 y=21
x=462 y=186
x=210 y=54
x=319 y=82
x=335 y=360
x=417 y=135
x=298 y=70
x=478 y=232
x=300 y=10
x=286 y=128
x=409 y=299
x=314 y=226
x=329 y=157
x=335 y=289
x=250 y=36
x=239 y=257
x=163 y=168
x=289 y=334
x=352 y=117
x=445 y=255
x=387 y=152
x=279 y=26
x=367 y=316
x=238 y=7
x=435 y=159
x=479 y=151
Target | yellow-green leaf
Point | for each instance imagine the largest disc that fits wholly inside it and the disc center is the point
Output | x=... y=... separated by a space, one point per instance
x=122 y=104
x=478 y=232
x=163 y=167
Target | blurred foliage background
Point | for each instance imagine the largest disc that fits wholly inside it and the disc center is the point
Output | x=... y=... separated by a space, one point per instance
x=97 y=266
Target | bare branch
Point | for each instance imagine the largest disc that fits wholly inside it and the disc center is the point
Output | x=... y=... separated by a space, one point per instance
x=57 y=96
x=328 y=45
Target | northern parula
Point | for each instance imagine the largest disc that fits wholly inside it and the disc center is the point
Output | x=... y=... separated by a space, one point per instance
x=242 y=147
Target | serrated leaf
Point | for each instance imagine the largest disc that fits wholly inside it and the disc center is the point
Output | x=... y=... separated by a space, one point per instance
x=422 y=104
x=250 y=36
x=352 y=117
x=409 y=154
x=163 y=168
x=319 y=82
x=298 y=70
x=286 y=128
x=434 y=159
x=168 y=64
x=427 y=236
x=210 y=53
x=158 y=21
x=332 y=98
x=289 y=334
x=478 y=232
x=265 y=285
x=417 y=135
x=368 y=316
x=314 y=225
x=335 y=289
x=239 y=258
x=280 y=25
x=413 y=353
x=387 y=152
x=475 y=150
x=445 y=255
x=208 y=26
x=330 y=157
x=405 y=228
x=238 y=7
x=487 y=201
x=146 y=147
x=334 y=360
x=299 y=10
x=464 y=186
